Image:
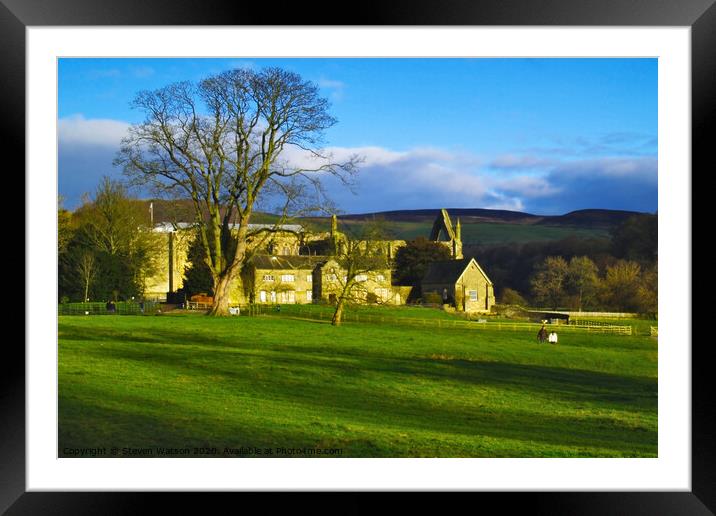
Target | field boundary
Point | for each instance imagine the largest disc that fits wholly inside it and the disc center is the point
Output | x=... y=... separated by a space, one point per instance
x=100 y=308
x=297 y=312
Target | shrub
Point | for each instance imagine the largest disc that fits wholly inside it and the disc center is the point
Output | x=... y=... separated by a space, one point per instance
x=512 y=297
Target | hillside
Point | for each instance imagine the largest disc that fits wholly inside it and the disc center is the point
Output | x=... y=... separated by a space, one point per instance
x=479 y=225
x=475 y=214
x=591 y=218
x=487 y=227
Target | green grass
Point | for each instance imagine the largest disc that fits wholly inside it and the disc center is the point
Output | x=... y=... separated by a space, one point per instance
x=392 y=311
x=487 y=233
x=370 y=390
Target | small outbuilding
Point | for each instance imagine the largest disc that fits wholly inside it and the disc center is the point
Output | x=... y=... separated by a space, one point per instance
x=461 y=283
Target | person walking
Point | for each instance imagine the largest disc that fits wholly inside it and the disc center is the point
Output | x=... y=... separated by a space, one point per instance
x=542 y=334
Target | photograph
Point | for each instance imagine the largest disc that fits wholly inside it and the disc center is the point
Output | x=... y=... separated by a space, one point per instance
x=354 y=257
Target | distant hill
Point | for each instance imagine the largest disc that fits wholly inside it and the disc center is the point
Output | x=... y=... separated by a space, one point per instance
x=593 y=218
x=589 y=218
x=479 y=226
x=476 y=214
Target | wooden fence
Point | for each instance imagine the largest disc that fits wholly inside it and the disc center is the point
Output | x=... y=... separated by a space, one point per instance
x=298 y=311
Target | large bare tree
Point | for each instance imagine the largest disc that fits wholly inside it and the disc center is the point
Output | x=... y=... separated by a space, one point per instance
x=223 y=142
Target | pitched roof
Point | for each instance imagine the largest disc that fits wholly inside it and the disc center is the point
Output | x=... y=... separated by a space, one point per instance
x=376 y=263
x=449 y=271
x=263 y=261
x=169 y=227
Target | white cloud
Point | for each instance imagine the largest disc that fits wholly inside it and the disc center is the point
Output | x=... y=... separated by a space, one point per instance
x=643 y=168
x=331 y=84
x=527 y=186
x=421 y=177
x=519 y=162
x=78 y=130
x=433 y=177
x=336 y=88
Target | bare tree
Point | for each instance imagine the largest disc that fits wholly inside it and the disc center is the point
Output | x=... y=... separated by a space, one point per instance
x=86 y=268
x=225 y=143
x=358 y=258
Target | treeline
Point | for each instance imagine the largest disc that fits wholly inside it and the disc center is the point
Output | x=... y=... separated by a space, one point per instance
x=106 y=250
x=618 y=273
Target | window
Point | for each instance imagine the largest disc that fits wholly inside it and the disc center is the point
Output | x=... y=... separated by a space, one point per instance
x=273 y=297
x=379 y=277
x=268 y=277
x=473 y=295
x=361 y=277
x=262 y=296
x=309 y=279
x=286 y=250
x=288 y=296
x=288 y=278
x=309 y=295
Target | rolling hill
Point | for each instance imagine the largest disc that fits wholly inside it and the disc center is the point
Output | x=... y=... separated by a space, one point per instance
x=479 y=225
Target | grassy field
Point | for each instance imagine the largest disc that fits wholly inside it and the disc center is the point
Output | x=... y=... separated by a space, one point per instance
x=226 y=387
x=483 y=233
x=486 y=233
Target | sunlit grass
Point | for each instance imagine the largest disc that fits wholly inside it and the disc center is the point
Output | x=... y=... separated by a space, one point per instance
x=370 y=390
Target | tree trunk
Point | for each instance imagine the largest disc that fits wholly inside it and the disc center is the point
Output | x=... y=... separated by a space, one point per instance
x=221 y=296
x=338 y=314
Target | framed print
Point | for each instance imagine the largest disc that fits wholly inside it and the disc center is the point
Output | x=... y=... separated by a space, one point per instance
x=621 y=425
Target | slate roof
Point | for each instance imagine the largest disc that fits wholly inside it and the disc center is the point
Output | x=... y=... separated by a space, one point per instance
x=263 y=261
x=169 y=227
x=447 y=271
x=376 y=263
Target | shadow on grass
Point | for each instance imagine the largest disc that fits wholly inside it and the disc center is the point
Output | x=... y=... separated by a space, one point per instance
x=580 y=385
x=95 y=418
x=141 y=421
x=315 y=385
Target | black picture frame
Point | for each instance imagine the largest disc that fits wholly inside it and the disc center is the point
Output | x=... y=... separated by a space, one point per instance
x=699 y=15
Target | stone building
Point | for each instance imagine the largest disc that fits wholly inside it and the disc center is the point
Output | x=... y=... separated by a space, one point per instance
x=373 y=286
x=172 y=245
x=279 y=279
x=174 y=240
x=461 y=283
x=289 y=264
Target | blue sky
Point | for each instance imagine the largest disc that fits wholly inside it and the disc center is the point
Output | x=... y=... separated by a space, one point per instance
x=545 y=136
